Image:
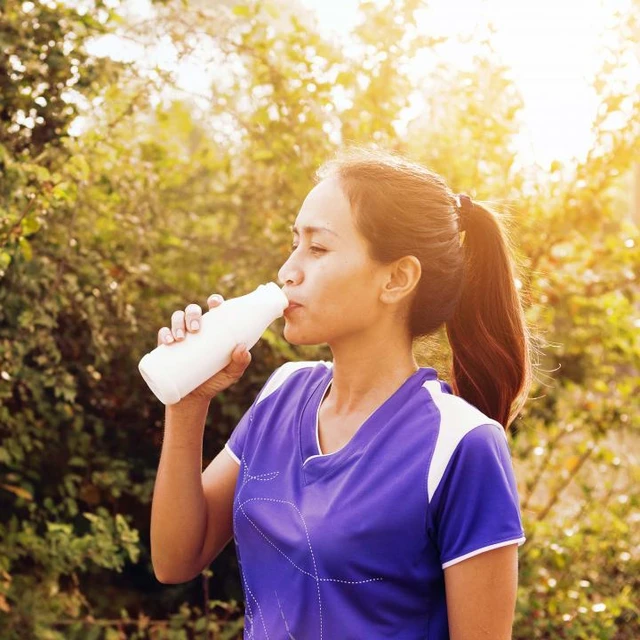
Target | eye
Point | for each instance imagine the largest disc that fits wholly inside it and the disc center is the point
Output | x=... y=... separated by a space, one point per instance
x=314 y=250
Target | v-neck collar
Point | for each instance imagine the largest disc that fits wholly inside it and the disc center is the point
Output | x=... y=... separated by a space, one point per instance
x=313 y=462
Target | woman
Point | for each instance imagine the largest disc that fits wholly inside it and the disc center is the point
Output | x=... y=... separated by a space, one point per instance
x=366 y=498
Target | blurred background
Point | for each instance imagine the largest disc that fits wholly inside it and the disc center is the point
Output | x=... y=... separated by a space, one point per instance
x=152 y=153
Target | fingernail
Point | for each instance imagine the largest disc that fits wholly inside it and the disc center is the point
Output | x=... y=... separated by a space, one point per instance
x=168 y=338
x=179 y=333
x=194 y=325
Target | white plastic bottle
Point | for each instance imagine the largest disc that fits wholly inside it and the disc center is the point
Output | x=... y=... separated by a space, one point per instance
x=173 y=371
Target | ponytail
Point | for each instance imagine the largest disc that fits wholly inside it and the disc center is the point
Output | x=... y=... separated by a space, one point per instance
x=488 y=334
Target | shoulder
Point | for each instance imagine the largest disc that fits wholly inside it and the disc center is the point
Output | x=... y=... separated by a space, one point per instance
x=293 y=373
x=459 y=424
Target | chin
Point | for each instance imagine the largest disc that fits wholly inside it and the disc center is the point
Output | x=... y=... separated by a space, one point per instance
x=300 y=338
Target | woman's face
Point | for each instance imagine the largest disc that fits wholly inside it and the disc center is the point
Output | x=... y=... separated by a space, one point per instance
x=329 y=272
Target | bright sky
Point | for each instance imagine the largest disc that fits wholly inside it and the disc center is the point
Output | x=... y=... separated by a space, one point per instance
x=552 y=46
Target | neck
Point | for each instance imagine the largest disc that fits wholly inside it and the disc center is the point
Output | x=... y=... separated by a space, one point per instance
x=367 y=371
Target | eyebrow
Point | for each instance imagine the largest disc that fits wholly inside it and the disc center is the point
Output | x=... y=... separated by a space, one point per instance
x=311 y=229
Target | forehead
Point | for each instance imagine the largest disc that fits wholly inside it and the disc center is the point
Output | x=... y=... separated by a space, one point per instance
x=326 y=207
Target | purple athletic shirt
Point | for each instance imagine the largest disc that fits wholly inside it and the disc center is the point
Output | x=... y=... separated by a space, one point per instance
x=353 y=544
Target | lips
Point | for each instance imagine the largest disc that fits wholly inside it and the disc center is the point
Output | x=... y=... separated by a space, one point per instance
x=292 y=306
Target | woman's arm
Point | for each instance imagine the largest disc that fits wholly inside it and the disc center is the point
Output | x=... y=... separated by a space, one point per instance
x=481 y=595
x=191 y=511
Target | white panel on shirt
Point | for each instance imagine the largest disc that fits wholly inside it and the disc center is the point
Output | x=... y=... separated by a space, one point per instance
x=460 y=417
x=283 y=372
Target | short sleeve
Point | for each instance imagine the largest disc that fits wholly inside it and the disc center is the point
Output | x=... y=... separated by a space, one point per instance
x=235 y=444
x=475 y=507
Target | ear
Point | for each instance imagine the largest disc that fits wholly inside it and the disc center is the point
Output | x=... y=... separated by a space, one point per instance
x=401 y=279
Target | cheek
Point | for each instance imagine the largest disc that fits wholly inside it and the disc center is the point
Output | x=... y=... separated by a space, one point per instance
x=346 y=283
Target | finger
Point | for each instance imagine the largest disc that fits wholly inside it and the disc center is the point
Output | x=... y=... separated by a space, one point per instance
x=240 y=352
x=214 y=300
x=193 y=313
x=240 y=360
x=165 y=336
x=178 y=327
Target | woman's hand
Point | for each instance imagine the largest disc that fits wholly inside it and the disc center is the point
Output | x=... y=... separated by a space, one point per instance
x=189 y=321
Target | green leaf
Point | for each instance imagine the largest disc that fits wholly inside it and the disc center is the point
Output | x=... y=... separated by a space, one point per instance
x=62 y=191
x=25 y=247
x=30 y=225
x=5 y=260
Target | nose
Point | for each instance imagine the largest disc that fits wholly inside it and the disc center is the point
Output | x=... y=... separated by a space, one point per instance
x=289 y=273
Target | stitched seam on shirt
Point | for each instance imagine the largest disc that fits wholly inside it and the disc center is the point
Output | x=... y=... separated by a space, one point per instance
x=286 y=624
x=306 y=531
x=272 y=475
x=264 y=626
x=350 y=581
x=255 y=526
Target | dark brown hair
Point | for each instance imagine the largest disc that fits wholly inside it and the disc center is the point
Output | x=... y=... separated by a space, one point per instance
x=401 y=208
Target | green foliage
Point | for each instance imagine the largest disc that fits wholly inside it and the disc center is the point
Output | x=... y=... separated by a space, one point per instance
x=163 y=201
x=43 y=59
x=44 y=67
